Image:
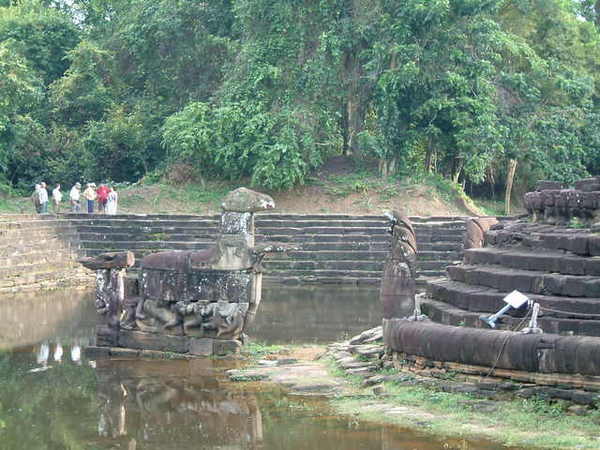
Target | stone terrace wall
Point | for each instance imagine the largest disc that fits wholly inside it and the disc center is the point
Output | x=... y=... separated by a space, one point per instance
x=335 y=248
x=39 y=252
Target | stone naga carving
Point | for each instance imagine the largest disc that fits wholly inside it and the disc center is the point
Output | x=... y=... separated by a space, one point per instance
x=476 y=227
x=213 y=293
x=397 y=292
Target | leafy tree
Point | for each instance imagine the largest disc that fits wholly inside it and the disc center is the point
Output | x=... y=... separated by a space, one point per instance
x=20 y=91
x=43 y=35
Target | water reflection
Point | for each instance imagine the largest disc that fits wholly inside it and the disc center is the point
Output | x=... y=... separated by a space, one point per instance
x=174 y=404
x=31 y=318
x=308 y=314
x=52 y=397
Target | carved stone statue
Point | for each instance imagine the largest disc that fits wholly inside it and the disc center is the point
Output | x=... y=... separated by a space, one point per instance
x=110 y=292
x=397 y=293
x=197 y=301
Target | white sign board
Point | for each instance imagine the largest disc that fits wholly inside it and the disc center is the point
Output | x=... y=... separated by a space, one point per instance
x=516 y=299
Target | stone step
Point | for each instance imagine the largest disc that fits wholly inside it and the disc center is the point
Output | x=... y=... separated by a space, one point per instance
x=325 y=273
x=371 y=223
x=49 y=280
x=542 y=261
x=506 y=279
x=433 y=236
x=333 y=255
x=145 y=245
x=157 y=217
x=547 y=237
x=132 y=228
x=430 y=274
x=129 y=237
x=450 y=315
x=290 y=231
x=313 y=239
x=26 y=257
x=351 y=264
x=142 y=223
x=32 y=271
x=415 y=219
x=487 y=300
x=282 y=265
x=294 y=280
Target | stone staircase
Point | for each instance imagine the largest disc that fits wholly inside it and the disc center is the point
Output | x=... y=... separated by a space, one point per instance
x=334 y=248
x=557 y=267
x=39 y=252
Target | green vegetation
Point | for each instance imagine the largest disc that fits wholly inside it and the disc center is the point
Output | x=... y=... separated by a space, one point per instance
x=482 y=94
x=532 y=422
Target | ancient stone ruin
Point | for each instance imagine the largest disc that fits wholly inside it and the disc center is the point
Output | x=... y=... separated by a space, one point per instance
x=553 y=258
x=197 y=302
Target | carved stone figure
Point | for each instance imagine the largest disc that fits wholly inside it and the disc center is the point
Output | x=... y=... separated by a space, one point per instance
x=200 y=295
x=397 y=292
x=475 y=231
x=553 y=204
x=110 y=292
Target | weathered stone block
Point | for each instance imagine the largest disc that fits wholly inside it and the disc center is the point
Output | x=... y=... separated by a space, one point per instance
x=236 y=223
x=132 y=287
x=226 y=347
x=106 y=336
x=201 y=346
x=153 y=341
x=588 y=184
x=544 y=184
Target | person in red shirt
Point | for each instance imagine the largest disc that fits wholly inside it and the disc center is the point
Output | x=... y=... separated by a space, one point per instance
x=102 y=193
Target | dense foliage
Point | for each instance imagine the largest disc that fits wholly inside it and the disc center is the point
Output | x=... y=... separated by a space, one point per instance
x=478 y=91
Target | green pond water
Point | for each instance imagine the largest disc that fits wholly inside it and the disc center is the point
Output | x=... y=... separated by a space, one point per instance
x=52 y=397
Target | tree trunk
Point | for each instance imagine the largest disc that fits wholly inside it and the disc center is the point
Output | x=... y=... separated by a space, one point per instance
x=512 y=168
x=458 y=163
x=429 y=159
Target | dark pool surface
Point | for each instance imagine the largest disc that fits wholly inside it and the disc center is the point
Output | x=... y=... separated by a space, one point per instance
x=52 y=397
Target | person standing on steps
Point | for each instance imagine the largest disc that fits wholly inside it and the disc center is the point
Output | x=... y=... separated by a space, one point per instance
x=74 y=196
x=111 y=204
x=35 y=199
x=90 y=195
x=43 y=198
x=102 y=196
x=56 y=198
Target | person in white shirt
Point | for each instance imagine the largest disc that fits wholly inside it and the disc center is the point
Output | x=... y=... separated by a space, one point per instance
x=43 y=193
x=56 y=198
x=111 y=203
x=74 y=196
x=35 y=198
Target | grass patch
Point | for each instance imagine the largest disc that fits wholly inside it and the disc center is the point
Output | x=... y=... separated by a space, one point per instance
x=258 y=350
x=491 y=207
x=530 y=423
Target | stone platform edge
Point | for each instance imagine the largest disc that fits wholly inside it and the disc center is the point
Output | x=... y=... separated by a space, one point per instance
x=167 y=343
x=540 y=358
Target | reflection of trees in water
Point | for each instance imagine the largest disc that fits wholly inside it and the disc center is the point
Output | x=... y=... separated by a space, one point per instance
x=52 y=409
x=175 y=412
x=146 y=404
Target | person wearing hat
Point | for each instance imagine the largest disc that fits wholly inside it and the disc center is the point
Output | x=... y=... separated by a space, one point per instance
x=90 y=195
x=74 y=196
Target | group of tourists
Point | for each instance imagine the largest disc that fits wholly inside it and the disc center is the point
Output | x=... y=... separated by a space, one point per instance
x=105 y=196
